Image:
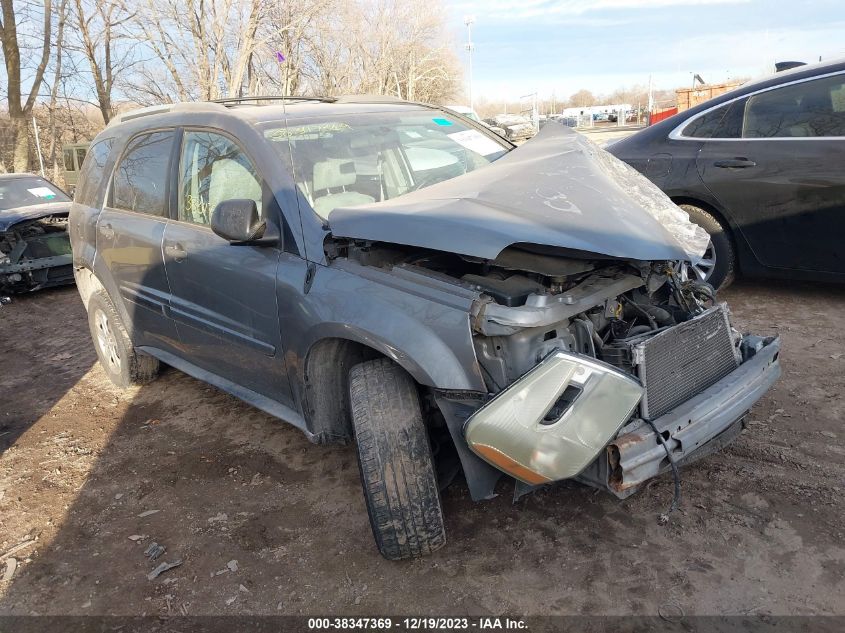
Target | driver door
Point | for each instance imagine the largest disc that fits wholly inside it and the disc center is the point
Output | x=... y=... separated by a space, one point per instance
x=223 y=296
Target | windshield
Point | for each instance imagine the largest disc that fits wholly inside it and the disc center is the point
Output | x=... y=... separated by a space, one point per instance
x=28 y=190
x=349 y=160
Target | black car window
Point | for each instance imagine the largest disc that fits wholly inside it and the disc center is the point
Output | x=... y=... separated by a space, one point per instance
x=806 y=109
x=141 y=177
x=92 y=172
x=213 y=169
x=723 y=122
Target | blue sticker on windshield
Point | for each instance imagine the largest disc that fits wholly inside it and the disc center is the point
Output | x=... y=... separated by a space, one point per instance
x=442 y=121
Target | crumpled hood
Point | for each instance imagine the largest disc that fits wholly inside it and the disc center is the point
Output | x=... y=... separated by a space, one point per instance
x=10 y=217
x=559 y=189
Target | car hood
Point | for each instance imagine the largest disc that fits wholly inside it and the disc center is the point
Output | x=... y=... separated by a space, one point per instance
x=558 y=189
x=10 y=217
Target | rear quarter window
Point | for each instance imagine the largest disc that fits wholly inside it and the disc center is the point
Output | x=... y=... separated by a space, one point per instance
x=723 y=122
x=140 y=179
x=92 y=175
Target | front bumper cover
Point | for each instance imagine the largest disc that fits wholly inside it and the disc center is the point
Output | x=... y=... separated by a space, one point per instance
x=511 y=434
x=700 y=426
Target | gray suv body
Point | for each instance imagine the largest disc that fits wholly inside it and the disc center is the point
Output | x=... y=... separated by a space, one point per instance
x=395 y=274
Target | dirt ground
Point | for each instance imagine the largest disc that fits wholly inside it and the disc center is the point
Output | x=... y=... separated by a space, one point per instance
x=266 y=523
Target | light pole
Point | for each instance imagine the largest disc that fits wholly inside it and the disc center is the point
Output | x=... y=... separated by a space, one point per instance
x=469 y=47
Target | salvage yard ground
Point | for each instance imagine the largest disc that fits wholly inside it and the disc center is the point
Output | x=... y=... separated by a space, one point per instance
x=265 y=522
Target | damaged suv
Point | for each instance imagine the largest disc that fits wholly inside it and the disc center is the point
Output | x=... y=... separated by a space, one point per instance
x=395 y=274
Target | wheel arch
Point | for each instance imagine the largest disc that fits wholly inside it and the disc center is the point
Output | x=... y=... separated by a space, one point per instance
x=733 y=232
x=87 y=283
x=325 y=386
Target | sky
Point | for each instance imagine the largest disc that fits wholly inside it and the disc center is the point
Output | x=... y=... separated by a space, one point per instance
x=560 y=46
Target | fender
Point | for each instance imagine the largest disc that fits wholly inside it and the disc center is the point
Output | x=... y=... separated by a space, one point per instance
x=421 y=321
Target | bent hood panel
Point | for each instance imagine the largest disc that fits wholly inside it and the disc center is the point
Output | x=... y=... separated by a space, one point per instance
x=10 y=217
x=558 y=189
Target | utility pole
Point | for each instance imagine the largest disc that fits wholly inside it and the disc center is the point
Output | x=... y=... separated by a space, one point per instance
x=469 y=20
x=650 y=106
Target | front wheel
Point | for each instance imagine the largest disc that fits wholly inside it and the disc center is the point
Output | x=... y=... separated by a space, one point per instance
x=394 y=457
x=718 y=266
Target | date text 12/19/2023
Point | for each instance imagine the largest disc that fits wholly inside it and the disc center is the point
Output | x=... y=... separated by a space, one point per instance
x=418 y=623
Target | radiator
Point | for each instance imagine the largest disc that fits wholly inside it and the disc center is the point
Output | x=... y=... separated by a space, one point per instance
x=682 y=361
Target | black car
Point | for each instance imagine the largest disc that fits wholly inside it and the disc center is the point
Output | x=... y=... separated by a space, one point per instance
x=762 y=169
x=34 y=244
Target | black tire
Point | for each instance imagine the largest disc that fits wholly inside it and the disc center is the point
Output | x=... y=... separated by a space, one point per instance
x=394 y=457
x=123 y=364
x=722 y=274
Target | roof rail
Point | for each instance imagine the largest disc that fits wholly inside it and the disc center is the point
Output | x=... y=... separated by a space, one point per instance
x=158 y=109
x=369 y=99
x=365 y=98
x=230 y=101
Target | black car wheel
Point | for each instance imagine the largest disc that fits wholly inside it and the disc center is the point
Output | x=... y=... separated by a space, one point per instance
x=718 y=266
x=394 y=456
x=122 y=363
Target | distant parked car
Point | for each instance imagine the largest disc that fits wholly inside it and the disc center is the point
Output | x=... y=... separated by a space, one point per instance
x=516 y=126
x=34 y=245
x=762 y=169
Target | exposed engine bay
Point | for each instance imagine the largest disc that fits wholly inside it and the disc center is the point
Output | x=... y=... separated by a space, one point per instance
x=35 y=254
x=534 y=301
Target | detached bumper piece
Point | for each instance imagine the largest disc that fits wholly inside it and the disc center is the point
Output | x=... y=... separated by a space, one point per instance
x=551 y=423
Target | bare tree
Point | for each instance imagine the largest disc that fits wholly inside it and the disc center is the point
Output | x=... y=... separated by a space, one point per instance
x=205 y=46
x=54 y=89
x=20 y=111
x=98 y=30
x=582 y=98
x=387 y=47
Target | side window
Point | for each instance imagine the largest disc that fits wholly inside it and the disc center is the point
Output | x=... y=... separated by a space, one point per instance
x=723 y=122
x=68 y=160
x=806 y=109
x=141 y=176
x=213 y=169
x=80 y=156
x=92 y=174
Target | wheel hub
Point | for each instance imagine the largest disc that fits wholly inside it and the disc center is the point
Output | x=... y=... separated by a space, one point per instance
x=106 y=340
x=703 y=270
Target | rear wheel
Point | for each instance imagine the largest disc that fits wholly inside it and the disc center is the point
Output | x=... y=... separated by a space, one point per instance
x=123 y=364
x=394 y=456
x=718 y=266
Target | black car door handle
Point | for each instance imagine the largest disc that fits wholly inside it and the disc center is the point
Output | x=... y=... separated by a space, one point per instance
x=176 y=251
x=735 y=163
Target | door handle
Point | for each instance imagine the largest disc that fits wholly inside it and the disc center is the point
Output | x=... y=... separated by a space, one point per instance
x=106 y=230
x=176 y=251
x=735 y=163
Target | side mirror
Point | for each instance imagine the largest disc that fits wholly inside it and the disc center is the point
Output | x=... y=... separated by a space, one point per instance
x=237 y=221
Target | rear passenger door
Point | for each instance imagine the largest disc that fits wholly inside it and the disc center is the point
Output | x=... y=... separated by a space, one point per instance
x=129 y=233
x=778 y=169
x=223 y=296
